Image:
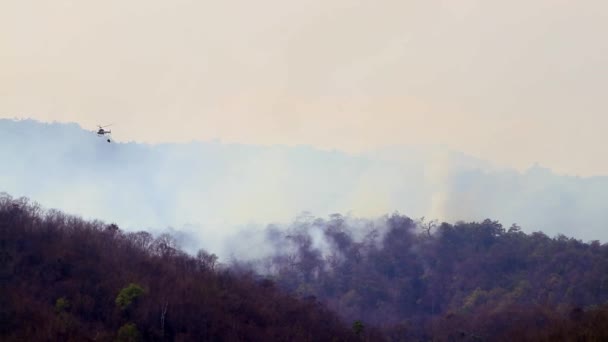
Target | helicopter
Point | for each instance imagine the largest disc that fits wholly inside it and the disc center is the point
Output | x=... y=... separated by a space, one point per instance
x=101 y=131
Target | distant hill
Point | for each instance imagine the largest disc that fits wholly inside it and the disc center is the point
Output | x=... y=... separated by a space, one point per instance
x=212 y=189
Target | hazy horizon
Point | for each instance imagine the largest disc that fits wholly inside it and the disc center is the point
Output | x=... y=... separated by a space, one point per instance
x=213 y=190
x=515 y=83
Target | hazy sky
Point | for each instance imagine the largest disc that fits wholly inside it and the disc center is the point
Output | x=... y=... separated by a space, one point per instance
x=514 y=82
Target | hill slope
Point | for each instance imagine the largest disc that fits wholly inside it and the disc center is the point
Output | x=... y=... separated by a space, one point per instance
x=421 y=279
x=72 y=280
x=63 y=278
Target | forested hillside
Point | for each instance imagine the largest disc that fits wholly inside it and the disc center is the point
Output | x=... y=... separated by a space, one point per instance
x=419 y=279
x=65 y=279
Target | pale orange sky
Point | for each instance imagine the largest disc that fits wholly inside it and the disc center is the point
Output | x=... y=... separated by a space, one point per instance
x=513 y=82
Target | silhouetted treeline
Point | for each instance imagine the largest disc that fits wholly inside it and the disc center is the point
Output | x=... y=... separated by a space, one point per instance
x=467 y=281
x=65 y=279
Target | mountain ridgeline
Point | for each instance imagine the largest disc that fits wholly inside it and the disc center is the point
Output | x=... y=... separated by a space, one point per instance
x=334 y=279
x=212 y=187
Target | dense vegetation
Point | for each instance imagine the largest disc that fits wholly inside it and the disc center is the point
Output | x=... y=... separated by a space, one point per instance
x=420 y=280
x=65 y=279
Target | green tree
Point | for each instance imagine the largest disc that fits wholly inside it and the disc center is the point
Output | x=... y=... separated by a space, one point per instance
x=61 y=305
x=358 y=328
x=128 y=295
x=128 y=333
